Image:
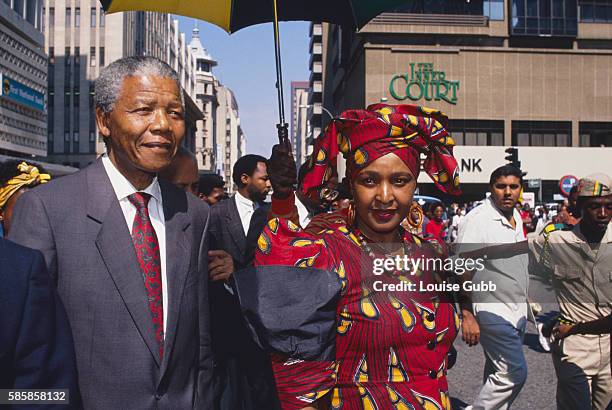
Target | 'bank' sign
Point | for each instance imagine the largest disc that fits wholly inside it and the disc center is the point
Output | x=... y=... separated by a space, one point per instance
x=21 y=94
x=423 y=83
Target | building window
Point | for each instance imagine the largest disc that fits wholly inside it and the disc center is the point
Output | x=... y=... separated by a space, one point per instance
x=102 y=18
x=77 y=58
x=493 y=9
x=541 y=133
x=477 y=132
x=51 y=18
x=51 y=55
x=544 y=18
x=68 y=16
x=44 y=13
x=101 y=56
x=77 y=17
x=75 y=138
x=595 y=11
x=595 y=134
x=442 y=7
x=67 y=56
x=92 y=56
x=92 y=17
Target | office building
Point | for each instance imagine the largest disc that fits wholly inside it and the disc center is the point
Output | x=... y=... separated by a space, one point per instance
x=531 y=74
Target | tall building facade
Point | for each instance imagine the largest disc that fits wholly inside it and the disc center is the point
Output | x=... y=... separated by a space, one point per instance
x=300 y=126
x=219 y=138
x=206 y=100
x=315 y=82
x=80 y=40
x=23 y=80
x=230 y=138
x=534 y=74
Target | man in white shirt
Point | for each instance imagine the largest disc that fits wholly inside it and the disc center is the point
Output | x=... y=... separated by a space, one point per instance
x=243 y=379
x=501 y=314
x=128 y=252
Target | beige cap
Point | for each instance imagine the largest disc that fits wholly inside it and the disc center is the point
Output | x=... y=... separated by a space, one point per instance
x=595 y=185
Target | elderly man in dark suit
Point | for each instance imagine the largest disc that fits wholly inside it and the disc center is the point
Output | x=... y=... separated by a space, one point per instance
x=36 y=348
x=128 y=252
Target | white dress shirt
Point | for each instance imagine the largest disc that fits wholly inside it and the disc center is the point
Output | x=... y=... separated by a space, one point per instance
x=246 y=209
x=124 y=188
x=484 y=226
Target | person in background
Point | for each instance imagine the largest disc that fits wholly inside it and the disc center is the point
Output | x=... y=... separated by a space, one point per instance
x=36 y=346
x=128 y=251
x=243 y=378
x=527 y=217
x=211 y=188
x=16 y=177
x=436 y=228
x=569 y=214
x=454 y=228
x=183 y=171
x=579 y=259
x=502 y=314
x=413 y=223
x=544 y=219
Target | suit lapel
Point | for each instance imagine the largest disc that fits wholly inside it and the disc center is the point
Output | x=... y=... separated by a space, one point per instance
x=114 y=242
x=178 y=247
x=235 y=226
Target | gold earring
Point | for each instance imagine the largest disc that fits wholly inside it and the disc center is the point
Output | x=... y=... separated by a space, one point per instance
x=350 y=219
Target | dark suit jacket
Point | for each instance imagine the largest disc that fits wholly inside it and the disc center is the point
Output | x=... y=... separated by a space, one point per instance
x=236 y=354
x=36 y=348
x=77 y=222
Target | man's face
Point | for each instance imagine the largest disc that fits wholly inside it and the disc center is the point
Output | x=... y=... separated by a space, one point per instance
x=258 y=185
x=572 y=198
x=183 y=172
x=146 y=125
x=597 y=212
x=215 y=196
x=505 y=192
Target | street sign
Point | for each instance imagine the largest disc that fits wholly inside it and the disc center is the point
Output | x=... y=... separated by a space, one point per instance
x=529 y=198
x=566 y=183
x=534 y=183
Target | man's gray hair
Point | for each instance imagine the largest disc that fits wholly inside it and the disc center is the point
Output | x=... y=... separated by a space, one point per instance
x=107 y=86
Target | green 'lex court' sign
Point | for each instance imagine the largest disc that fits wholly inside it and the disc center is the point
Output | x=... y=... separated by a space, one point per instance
x=424 y=83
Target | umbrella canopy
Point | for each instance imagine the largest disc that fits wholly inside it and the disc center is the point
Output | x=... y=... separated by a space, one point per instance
x=232 y=15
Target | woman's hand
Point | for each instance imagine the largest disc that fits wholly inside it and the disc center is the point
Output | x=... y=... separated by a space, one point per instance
x=282 y=171
x=470 y=331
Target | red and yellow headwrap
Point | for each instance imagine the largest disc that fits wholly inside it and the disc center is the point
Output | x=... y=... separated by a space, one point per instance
x=363 y=136
x=29 y=175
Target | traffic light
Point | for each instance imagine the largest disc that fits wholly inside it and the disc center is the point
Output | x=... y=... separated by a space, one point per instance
x=512 y=157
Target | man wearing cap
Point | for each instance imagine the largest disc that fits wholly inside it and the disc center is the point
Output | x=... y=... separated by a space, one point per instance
x=580 y=261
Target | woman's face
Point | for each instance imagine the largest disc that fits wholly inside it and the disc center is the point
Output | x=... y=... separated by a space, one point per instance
x=438 y=212
x=383 y=194
x=415 y=215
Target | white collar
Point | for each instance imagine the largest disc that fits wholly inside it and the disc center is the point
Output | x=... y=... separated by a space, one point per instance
x=497 y=215
x=241 y=200
x=124 y=188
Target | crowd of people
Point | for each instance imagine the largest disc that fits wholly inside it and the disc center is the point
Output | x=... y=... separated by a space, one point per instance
x=138 y=283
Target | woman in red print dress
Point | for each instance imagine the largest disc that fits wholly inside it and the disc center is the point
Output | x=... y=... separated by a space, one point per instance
x=391 y=347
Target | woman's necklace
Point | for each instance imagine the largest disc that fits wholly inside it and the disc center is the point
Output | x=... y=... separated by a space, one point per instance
x=365 y=243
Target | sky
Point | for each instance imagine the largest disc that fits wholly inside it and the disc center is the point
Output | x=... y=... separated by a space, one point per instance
x=246 y=65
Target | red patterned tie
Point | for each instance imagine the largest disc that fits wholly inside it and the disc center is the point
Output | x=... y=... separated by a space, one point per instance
x=147 y=251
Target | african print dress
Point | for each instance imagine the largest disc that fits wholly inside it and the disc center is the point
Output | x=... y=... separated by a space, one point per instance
x=391 y=347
